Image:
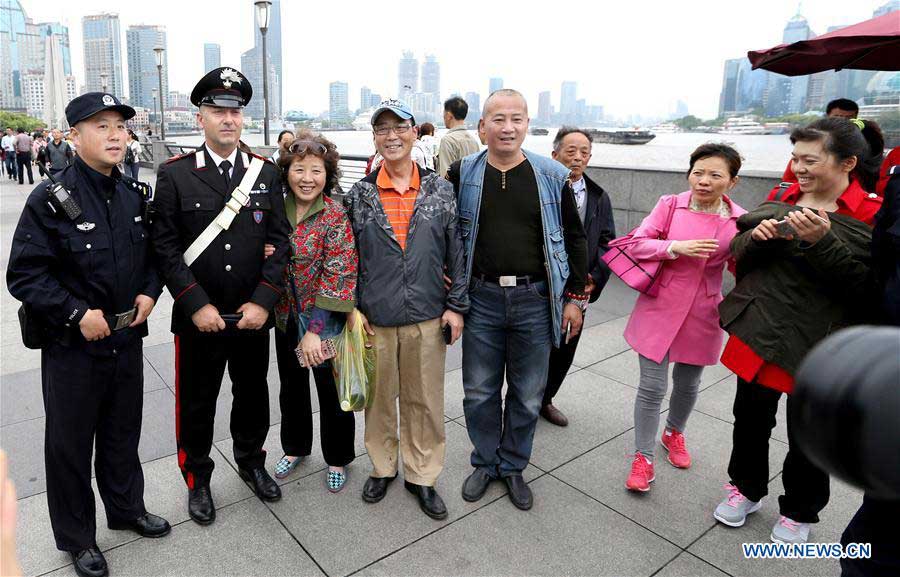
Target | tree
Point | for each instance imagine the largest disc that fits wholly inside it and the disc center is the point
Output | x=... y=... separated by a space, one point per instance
x=688 y=122
x=16 y=120
x=889 y=120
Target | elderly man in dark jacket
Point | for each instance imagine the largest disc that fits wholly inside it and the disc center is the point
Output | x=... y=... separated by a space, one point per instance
x=404 y=222
x=572 y=147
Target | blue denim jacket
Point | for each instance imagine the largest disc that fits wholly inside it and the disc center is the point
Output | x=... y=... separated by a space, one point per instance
x=551 y=179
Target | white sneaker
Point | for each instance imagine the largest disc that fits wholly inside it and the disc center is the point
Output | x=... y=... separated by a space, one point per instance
x=734 y=509
x=786 y=530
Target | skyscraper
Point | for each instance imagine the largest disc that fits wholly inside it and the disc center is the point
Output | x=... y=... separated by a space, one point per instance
x=103 y=53
x=544 y=107
x=143 y=75
x=474 y=101
x=407 y=76
x=273 y=47
x=338 y=103
x=743 y=89
x=368 y=99
x=568 y=101
x=787 y=95
x=32 y=55
x=494 y=85
x=251 y=67
x=728 y=95
x=431 y=77
x=212 y=57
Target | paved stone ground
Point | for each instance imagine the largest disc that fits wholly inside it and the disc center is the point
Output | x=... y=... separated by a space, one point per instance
x=584 y=522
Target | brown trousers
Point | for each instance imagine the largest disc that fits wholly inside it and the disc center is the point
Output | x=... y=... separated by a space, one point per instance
x=410 y=367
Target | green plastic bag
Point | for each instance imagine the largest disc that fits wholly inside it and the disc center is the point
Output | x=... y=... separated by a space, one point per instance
x=354 y=366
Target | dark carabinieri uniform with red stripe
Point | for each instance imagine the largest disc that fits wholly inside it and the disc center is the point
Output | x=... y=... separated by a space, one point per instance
x=190 y=193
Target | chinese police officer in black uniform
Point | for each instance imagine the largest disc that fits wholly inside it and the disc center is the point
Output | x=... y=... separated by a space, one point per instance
x=216 y=208
x=81 y=265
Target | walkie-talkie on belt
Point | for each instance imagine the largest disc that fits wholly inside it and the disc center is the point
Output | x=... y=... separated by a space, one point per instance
x=60 y=199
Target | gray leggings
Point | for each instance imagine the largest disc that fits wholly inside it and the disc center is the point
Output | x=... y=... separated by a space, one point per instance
x=652 y=389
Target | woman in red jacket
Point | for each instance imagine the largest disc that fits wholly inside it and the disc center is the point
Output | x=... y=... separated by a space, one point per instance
x=836 y=162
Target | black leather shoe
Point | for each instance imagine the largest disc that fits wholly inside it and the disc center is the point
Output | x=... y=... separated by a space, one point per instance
x=147 y=525
x=475 y=485
x=200 y=505
x=429 y=501
x=375 y=488
x=262 y=484
x=519 y=492
x=89 y=562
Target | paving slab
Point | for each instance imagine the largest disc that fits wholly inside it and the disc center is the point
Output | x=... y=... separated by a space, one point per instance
x=722 y=546
x=680 y=502
x=344 y=533
x=566 y=533
x=686 y=565
x=601 y=342
x=21 y=398
x=164 y=494
x=245 y=540
x=598 y=410
x=718 y=400
x=314 y=463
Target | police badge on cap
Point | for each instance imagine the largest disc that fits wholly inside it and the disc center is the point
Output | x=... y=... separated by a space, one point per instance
x=223 y=87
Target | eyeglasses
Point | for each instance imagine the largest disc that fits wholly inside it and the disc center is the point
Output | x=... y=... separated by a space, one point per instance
x=398 y=129
x=301 y=146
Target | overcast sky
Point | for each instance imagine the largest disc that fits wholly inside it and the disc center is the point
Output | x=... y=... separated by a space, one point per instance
x=632 y=57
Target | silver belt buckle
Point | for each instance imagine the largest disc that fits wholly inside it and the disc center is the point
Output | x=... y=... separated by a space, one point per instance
x=125 y=319
x=508 y=281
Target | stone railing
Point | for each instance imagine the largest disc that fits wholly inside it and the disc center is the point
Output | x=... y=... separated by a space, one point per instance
x=635 y=191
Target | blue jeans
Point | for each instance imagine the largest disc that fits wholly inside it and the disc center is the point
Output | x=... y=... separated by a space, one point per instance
x=506 y=330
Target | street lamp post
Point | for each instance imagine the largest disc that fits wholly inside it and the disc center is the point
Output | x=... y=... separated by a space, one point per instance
x=262 y=20
x=159 y=51
x=155 y=118
x=103 y=77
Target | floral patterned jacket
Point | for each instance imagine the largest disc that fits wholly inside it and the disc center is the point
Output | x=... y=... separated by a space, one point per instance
x=323 y=261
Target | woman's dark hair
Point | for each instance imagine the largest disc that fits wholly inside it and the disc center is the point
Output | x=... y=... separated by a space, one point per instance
x=844 y=139
x=718 y=150
x=426 y=129
x=331 y=158
x=281 y=135
x=132 y=134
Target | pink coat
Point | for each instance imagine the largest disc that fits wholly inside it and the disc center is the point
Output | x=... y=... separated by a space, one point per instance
x=683 y=319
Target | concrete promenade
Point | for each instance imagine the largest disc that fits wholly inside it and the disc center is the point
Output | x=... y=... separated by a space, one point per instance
x=583 y=522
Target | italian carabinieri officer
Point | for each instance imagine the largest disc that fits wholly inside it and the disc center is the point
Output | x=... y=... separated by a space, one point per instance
x=215 y=209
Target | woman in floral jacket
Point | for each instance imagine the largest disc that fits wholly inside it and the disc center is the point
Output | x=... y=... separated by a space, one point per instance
x=320 y=286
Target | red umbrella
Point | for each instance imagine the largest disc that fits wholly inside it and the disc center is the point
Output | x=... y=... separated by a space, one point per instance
x=870 y=45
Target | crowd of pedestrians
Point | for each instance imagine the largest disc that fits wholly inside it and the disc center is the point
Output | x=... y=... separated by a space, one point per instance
x=497 y=246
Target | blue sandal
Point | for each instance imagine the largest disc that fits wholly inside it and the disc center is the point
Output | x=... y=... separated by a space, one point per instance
x=285 y=466
x=336 y=481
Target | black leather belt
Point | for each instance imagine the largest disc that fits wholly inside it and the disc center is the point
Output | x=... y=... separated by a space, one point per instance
x=508 y=281
x=120 y=321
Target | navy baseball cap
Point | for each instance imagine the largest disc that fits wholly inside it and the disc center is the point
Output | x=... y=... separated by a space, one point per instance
x=90 y=103
x=398 y=107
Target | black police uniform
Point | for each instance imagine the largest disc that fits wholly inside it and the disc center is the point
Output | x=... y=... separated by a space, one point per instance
x=93 y=391
x=190 y=192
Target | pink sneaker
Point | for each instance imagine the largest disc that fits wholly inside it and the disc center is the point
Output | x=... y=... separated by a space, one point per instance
x=673 y=441
x=641 y=474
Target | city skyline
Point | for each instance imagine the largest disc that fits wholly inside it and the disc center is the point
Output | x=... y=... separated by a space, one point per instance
x=636 y=78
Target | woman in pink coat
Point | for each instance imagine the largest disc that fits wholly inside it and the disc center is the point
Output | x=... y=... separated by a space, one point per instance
x=681 y=323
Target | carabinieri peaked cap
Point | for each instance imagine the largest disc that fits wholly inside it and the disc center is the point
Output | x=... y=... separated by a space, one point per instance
x=223 y=87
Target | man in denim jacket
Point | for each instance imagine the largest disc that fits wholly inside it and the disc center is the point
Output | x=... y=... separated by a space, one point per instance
x=526 y=267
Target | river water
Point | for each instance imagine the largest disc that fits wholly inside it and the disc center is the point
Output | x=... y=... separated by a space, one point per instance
x=666 y=151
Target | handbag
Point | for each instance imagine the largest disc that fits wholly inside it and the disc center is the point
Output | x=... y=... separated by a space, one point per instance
x=641 y=275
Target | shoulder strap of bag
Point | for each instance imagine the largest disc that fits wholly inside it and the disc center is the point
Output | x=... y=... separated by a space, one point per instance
x=239 y=198
x=665 y=231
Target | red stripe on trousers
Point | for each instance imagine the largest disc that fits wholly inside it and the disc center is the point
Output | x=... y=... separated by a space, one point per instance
x=182 y=456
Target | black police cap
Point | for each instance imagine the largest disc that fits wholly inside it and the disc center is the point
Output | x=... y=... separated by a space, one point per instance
x=90 y=103
x=224 y=87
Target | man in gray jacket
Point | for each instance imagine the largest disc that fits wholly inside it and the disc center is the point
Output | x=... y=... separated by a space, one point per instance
x=404 y=221
x=58 y=152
